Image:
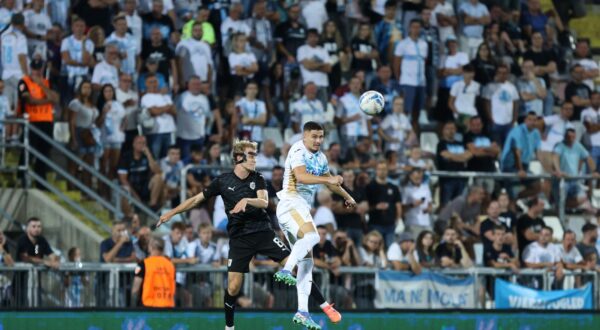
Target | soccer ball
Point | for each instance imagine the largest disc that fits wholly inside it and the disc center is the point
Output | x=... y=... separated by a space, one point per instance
x=371 y=102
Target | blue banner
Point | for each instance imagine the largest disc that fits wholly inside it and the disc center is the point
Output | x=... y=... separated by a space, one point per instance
x=513 y=296
x=426 y=290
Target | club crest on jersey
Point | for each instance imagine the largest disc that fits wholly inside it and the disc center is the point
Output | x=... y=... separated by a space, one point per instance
x=252 y=185
x=390 y=191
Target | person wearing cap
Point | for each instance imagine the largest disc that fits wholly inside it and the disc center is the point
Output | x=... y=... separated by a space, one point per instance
x=14 y=57
x=402 y=254
x=37 y=99
x=128 y=47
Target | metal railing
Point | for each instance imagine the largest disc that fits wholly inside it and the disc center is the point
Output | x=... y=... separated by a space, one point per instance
x=202 y=286
x=117 y=193
x=469 y=175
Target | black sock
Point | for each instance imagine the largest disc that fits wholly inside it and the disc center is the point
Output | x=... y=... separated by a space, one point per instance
x=316 y=294
x=229 y=308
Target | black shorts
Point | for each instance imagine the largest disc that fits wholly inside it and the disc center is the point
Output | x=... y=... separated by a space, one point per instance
x=242 y=249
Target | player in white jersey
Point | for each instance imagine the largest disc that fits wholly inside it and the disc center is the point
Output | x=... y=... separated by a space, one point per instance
x=306 y=167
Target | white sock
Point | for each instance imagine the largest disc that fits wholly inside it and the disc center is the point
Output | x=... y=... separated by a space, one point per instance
x=323 y=305
x=304 y=285
x=229 y=328
x=300 y=249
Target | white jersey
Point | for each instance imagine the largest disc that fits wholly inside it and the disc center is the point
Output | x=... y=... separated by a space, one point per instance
x=14 y=44
x=316 y=164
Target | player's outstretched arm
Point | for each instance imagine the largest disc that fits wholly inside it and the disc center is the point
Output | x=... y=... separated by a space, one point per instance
x=185 y=206
x=306 y=178
x=339 y=190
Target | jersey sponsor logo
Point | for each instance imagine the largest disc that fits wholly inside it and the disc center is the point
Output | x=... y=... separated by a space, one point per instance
x=231 y=188
x=252 y=185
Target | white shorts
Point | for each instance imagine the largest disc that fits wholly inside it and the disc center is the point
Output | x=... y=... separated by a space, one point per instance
x=292 y=213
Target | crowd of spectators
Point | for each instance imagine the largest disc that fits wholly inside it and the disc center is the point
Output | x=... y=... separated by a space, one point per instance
x=151 y=86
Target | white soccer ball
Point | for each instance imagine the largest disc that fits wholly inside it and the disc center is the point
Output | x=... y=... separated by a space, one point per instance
x=371 y=102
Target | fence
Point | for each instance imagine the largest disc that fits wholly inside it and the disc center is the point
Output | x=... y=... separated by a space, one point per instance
x=202 y=286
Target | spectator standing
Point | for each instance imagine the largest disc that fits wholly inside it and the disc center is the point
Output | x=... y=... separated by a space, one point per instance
x=83 y=115
x=388 y=32
x=444 y=18
x=112 y=124
x=385 y=204
x=154 y=280
x=261 y=37
x=232 y=25
x=252 y=114
x=315 y=64
x=409 y=67
x=520 y=148
x=451 y=253
x=402 y=254
x=74 y=282
x=151 y=68
x=417 y=202
x=353 y=122
x=76 y=53
x=451 y=156
x=160 y=111
x=266 y=157
x=532 y=90
x=157 y=49
x=352 y=221
x=450 y=71
x=582 y=56
x=289 y=36
x=577 y=92
x=485 y=151
x=388 y=87
x=484 y=64
x=134 y=21
x=14 y=67
x=177 y=250
x=171 y=167
x=501 y=105
x=242 y=64
x=37 y=99
x=530 y=224
x=474 y=17
x=555 y=128
x=37 y=24
x=194 y=57
x=591 y=120
x=463 y=95
x=140 y=175
x=333 y=42
x=129 y=99
x=193 y=117
x=157 y=19
x=128 y=47
x=314 y=14
x=308 y=108
x=107 y=71
x=545 y=65
x=395 y=129
x=365 y=55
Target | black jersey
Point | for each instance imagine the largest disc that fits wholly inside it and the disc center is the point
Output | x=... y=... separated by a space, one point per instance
x=233 y=189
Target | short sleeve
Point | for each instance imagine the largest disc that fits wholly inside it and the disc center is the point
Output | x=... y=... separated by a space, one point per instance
x=123 y=166
x=46 y=250
x=302 y=54
x=140 y=270
x=297 y=158
x=399 y=50
x=96 y=74
x=75 y=105
x=528 y=255
x=262 y=109
x=63 y=45
x=455 y=89
x=261 y=184
x=394 y=253
x=397 y=195
x=212 y=189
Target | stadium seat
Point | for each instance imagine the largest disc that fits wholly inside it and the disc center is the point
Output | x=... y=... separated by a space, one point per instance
x=429 y=142
x=554 y=223
x=287 y=134
x=273 y=134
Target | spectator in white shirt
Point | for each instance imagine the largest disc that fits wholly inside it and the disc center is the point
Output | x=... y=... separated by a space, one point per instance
x=76 y=53
x=591 y=120
x=308 y=108
x=553 y=133
x=583 y=58
x=261 y=37
x=315 y=64
x=532 y=90
x=463 y=94
x=112 y=126
x=323 y=215
x=193 y=116
x=14 y=57
x=450 y=71
x=106 y=72
x=134 y=21
x=353 y=122
x=233 y=24
x=444 y=18
x=128 y=46
x=402 y=255
x=252 y=114
x=542 y=255
x=176 y=249
x=475 y=16
x=372 y=251
x=417 y=202
x=130 y=101
x=409 y=67
x=242 y=63
x=37 y=24
x=195 y=57
x=315 y=14
x=395 y=128
x=501 y=105
x=160 y=107
x=7 y=9
x=171 y=167
x=266 y=158
x=570 y=255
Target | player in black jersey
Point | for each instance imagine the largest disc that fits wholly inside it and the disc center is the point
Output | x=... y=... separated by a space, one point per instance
x=245 y=197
